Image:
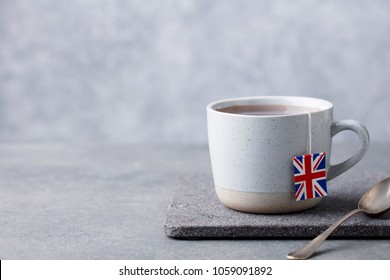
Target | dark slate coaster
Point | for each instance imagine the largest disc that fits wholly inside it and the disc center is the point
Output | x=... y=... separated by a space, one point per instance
x=196 y=213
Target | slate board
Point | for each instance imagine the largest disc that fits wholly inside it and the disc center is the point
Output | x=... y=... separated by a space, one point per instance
x=196 y=213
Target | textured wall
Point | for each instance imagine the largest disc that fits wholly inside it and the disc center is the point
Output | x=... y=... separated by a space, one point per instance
x=143 y=71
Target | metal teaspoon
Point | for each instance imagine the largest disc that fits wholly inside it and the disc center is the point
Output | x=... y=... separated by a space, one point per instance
x=374 y=202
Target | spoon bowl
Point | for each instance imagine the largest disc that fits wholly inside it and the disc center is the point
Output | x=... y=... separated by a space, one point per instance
x=377 y=199
x=374 y=202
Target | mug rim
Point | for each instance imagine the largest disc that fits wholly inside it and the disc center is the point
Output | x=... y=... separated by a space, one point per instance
x=320 y=104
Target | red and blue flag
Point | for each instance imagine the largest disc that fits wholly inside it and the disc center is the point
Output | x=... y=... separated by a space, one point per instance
x=310 y=176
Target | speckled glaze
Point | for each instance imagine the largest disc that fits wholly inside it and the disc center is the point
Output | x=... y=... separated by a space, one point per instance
x=251 y=155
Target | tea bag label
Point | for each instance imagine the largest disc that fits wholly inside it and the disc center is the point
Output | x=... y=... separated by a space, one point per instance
x=310 y=176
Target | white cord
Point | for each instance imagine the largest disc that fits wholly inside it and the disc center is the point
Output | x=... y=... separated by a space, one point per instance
x=309 y=130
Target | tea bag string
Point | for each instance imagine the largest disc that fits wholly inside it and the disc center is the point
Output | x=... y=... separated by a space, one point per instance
x=309 y=132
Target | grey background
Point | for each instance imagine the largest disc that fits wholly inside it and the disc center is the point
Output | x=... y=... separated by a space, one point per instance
x=143 y=71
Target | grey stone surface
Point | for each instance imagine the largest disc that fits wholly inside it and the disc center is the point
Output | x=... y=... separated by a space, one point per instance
x=110 y=202
x=196 y=212
x=143 y=71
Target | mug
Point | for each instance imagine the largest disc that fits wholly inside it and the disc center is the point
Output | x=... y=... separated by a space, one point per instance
x=251 y=153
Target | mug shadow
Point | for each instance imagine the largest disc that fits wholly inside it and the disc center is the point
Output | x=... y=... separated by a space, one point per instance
x=334 y=204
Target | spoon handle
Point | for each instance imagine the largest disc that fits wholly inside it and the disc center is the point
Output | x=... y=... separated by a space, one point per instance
x=312 y=246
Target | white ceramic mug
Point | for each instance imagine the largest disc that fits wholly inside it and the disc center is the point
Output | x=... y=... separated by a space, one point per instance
x=251 y=155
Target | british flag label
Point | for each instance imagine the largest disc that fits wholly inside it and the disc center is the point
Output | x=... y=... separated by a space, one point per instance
x=310 y=176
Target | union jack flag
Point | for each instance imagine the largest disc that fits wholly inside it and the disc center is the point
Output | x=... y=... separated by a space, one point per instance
x=310 y=176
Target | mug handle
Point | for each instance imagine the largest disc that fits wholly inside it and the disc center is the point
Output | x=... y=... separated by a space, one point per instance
x=364 y=139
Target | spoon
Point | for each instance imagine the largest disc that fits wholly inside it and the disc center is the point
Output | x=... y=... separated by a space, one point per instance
x=374 y=202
